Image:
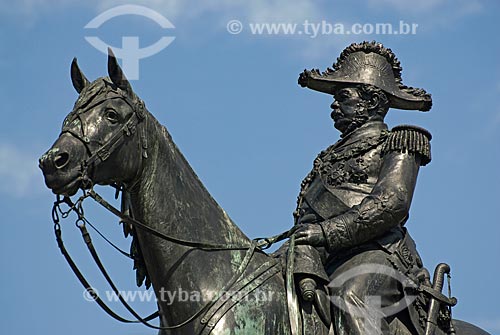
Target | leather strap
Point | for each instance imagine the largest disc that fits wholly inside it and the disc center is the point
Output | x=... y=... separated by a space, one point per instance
x=93 y=252
x=291 y=293
x=152 y=231
x=85 y=283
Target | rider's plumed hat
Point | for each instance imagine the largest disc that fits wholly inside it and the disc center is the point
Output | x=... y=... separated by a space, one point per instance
x=368 y=63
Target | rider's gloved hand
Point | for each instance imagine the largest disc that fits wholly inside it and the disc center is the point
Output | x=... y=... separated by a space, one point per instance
x=311 y=234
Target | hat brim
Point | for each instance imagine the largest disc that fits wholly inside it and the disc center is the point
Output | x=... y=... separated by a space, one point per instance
x=328 y=83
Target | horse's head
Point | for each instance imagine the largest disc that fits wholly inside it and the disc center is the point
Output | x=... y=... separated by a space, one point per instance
x=103 y=139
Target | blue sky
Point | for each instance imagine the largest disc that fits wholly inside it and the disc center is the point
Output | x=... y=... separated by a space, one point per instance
x=233 y=106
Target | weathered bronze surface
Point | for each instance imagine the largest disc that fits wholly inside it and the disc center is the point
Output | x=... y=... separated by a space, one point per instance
x=349 y=242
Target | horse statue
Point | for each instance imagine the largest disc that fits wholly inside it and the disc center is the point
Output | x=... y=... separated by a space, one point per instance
x=182 y=239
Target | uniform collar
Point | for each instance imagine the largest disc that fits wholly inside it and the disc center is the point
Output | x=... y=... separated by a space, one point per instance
x=369 y=129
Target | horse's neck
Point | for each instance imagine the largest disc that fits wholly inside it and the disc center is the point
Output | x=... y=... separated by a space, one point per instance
x=171 y=195
x=171 y=199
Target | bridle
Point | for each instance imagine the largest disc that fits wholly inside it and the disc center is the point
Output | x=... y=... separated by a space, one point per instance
x=95 y=158
x=114 y=141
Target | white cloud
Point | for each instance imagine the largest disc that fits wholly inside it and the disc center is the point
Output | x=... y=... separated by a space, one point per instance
x=460 y=7
x=258 y=10
x=171 y=8
x=405 y=6
x=250 y=10
x=255 y=10
x=446 y=14
x=19 y=172
x=31 y=7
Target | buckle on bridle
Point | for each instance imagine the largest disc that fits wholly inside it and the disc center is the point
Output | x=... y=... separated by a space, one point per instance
x=85 y=180
x=140 y=109
x=103 y=153
x=130 y=129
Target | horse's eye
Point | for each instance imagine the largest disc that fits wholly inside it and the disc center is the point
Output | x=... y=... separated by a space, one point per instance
x=112 y=115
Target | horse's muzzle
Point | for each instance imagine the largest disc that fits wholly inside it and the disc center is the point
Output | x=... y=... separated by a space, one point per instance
x=61 y=165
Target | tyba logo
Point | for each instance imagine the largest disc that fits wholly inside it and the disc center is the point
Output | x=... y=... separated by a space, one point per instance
x=130 y=52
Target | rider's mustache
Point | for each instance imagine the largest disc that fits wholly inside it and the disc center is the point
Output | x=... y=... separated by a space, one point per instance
x=336 y=112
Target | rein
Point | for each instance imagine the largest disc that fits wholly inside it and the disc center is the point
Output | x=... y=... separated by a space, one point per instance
x=256 y=244
x=80 y=223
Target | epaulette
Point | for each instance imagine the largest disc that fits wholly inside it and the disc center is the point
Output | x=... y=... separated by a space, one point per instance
x=411 y=139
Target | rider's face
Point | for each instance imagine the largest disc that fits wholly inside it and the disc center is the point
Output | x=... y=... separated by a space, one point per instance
x=345 y=107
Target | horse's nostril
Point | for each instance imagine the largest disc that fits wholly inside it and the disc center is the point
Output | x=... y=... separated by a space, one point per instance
x=61 y=160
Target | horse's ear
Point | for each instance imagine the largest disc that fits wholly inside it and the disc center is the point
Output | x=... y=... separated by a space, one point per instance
x=116 y=73
x=77 y=77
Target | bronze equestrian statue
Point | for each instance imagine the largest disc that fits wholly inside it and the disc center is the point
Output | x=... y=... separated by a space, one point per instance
x=349 y=267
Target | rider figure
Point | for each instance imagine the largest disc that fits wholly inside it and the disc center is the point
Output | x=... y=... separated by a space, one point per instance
x=354 y=204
